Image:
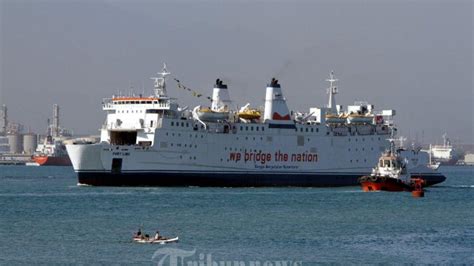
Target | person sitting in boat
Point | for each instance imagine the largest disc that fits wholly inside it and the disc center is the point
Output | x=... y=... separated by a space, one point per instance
x=157 y=235
x=138 y=234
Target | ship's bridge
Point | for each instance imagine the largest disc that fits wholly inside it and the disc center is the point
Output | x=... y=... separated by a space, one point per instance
x=133 y=119
x=137 y=113
x=162 y=103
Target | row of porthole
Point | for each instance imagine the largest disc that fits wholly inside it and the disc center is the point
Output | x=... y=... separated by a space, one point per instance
x=246 y=128
x=135 y=102
x=190 y=157
x=307 y=129
x=185 y=145
x=247 y=138
x=131 y=111
x=237 y=149
x=183 y=124
x=257 y=128
x=179 y=135
x=363 y=139
x=357 y=160
x=363 y=149
x=172 y=134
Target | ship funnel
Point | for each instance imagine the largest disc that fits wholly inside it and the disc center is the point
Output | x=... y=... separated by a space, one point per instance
x=276 y=109
x=220 y=97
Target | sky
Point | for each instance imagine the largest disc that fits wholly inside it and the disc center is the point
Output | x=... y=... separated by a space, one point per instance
x=412 y=56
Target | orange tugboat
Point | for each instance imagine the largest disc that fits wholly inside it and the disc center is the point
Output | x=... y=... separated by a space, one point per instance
x=391 y=174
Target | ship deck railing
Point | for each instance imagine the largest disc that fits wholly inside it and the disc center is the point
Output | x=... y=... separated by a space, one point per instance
x=165 y=104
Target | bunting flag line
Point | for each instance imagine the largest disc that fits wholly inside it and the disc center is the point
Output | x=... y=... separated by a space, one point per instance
x=193 y=92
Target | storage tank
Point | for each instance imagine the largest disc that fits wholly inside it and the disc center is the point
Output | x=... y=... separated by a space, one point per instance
x=469 y=159
x=30 y=143
x=16 y=143
x=4 y=119
x=4 y=147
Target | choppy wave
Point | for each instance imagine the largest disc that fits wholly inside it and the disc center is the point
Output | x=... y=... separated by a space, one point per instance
x=65 y=194
x=412 y=246
x=457 y=186
x=32 y=177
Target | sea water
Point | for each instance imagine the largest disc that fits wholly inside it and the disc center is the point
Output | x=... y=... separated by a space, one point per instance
x=45 y=217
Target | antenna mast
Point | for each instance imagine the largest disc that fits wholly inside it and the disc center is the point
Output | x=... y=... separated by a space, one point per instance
x=332 y=91
x=160 y=84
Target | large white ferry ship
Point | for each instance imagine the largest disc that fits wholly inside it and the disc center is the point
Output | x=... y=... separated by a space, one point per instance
x=152 y=141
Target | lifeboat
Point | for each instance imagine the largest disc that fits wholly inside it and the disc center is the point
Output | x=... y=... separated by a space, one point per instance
x=249 y=113
x=208 y=115
x=360 y=118
x=336 y=119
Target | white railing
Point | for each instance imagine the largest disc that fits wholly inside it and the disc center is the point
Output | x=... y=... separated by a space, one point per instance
x=108 y=103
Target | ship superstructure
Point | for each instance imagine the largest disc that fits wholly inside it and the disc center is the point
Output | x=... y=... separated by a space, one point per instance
x=152 y=141
x=444 y=154
x=52 y=151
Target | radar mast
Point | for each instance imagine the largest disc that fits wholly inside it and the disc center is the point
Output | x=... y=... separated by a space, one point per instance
x=160 y=83
x=332 y=91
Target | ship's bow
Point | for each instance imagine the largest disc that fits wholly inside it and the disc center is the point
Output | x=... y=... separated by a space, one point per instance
x=85 y=158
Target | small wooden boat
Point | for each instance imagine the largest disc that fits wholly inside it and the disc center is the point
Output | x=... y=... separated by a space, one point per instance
x=161 y=241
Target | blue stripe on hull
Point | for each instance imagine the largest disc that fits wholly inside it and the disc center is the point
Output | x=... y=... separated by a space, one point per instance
x=226 y=179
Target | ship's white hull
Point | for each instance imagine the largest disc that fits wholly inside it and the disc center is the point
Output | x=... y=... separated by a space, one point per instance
x=152 y=141
x=274 y=157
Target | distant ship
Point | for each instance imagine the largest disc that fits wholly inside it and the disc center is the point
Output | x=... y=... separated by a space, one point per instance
x=152 y=141
x=444 y=154
x=52 y=152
